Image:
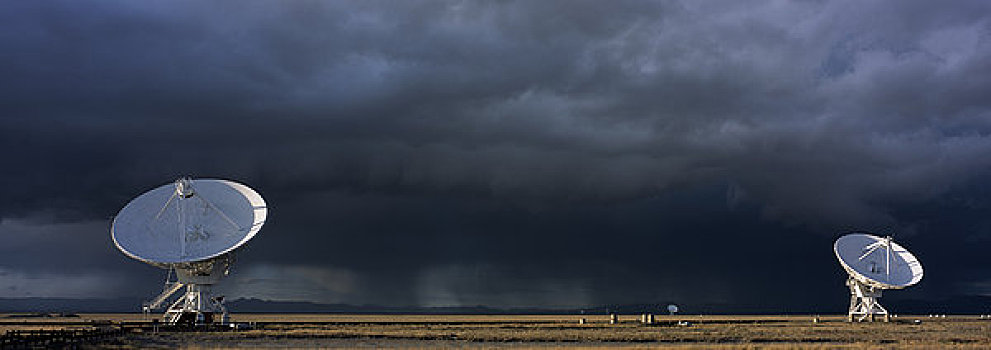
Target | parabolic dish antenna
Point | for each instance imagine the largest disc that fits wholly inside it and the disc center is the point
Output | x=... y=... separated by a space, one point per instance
x=672 y=309
x=218 y=216
x=192 y=227
x=874 y=264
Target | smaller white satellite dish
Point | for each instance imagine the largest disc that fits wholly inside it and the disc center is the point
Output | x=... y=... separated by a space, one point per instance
x=672 y=309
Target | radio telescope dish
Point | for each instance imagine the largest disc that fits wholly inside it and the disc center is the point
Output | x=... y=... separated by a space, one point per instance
x=219 y=216
x=672 y=309
x=874 y=264
x=192 y=227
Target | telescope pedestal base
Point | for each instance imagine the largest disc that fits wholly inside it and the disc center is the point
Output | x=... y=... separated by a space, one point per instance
x=196 y=307
x=863 y=303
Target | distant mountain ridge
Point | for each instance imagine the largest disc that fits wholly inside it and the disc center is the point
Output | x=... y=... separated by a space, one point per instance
x=10 y=305
x=973 y=304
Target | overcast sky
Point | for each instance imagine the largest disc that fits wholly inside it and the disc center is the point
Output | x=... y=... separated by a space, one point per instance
x=511 y=153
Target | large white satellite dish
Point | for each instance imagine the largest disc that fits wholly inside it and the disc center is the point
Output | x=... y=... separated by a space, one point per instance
x=874 y=264
x=192 y=227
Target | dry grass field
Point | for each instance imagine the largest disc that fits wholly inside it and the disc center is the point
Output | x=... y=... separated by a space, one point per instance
x=498 y=331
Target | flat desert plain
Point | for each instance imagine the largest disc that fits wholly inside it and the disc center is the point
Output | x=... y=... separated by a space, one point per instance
x=541 y=331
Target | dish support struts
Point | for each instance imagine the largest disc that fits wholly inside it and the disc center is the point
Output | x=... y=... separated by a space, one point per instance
x=197 y=306
x=863 y=302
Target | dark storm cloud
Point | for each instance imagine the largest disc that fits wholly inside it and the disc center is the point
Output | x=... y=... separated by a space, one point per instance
x=421 y=144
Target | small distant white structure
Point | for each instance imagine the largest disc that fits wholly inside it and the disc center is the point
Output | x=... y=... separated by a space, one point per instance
x=672 y=309
x=874 y=264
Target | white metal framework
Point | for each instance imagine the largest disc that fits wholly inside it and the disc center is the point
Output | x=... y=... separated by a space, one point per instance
x=197 y=305
x=863 y=302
